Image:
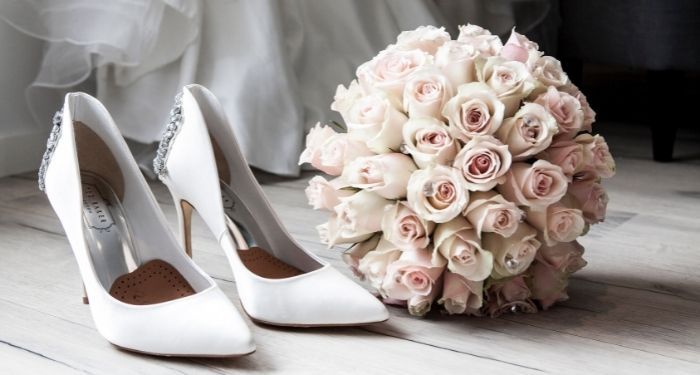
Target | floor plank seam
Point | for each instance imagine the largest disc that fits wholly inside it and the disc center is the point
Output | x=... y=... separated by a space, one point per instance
x=19 y=347
x=635 y=288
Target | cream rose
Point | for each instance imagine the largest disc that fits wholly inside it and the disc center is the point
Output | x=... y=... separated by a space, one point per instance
x=411 y=275
x=509 y=295
x=567 y=154
x=373 y=265
x=536 y=186
x=429 y=142
x=425 y=38
x=405 y=229
x=426 y=93
x=514 y=254
x=386 y=175
x=489 y=212
x=324 y=195
x=437 y=193
x=566 y=257
x=560 y=222
x=566 y=110
x=329 y=151
x=356 y=219
x=390 y=70
x=345 y=97
x=374 y=120
x=481 y=39
x=419 y=305
x=520 y=48
x=475 y=110
x=483 y=162
x=461 y=296
x=592 y=199
x=511 y=80
x=457 y=242
x=548 y=72
x=456 y=60
x=588 y=112
x=597 y=154
x=530 y=131
x=352 y=256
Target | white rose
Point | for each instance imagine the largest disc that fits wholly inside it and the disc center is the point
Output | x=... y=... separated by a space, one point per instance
x=548 y=71
x=390 y=70
x=373 y=265
x=511 y=80
x=481 y=39
x=437 y=194
x=475 y=110
x=429 y=142
x=324 y=195
x=386 y=175
x=456 y=60
x=458 y=243
x=374 y=119
x=356 y=219
x=529 y=132
x=329 y=151
x=345 y=97
x=426 y=93
x=425 y=38
x=512 y=255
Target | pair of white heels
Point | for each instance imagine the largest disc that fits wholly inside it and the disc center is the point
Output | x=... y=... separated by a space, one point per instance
x=144 y=292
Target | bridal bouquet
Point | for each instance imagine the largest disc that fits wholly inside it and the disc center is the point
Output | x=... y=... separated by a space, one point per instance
x=467 y=172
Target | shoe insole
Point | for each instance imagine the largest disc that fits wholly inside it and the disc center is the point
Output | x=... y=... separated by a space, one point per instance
x=155 y=281
x=263 y=264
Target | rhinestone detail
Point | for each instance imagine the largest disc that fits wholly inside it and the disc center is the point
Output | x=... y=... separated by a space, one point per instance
x=171 y=130
x=50 y=147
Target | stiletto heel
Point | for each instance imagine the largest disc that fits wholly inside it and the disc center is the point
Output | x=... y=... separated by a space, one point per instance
x=278 y=281
x=184 y=218
x=144 y=293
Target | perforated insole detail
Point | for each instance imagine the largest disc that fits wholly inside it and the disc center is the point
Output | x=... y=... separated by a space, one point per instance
x=155 y=281
x=265 y=265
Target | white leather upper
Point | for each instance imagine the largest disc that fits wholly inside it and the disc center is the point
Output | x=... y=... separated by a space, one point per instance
x=205 y=323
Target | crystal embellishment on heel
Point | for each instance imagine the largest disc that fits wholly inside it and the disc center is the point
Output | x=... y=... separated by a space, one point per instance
x=169 y=134
x=50 y=146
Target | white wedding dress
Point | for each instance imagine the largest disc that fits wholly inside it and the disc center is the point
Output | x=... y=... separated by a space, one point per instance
x=274 y=64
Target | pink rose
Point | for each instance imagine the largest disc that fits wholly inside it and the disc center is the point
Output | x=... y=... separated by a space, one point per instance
x=483 y=162
x=528 y=132
x=419 y=305
x=386 y=175
x=481 y=39
x=566 y=257
x=456 y=60
x=560 y=222
x=597 y=154
x=475 y=110
x=411 y=275
x=374 y=120
x=457 y=242
x=520 y=48
x=592 y=199
x=373 y=265
x=405 y=229
x=512 y=255
x=489 y=212
x=429 y=142
x=426 y=38
x=567 y=154
x=548 y=71
x=461 y=296
x=588 y=112
x=565 y=108
x=509 y=295
x=536 y=186
x=390 y=70
x=426 y=93
x=548 y=285
x=324 y=195
x=352 y=256
x=437 y=193
x=511 y=80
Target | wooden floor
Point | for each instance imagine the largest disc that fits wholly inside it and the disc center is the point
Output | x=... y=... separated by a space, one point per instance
x=634 y=309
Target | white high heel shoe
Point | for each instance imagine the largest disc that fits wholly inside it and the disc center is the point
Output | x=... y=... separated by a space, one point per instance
x=144 y=293
x=278 y=281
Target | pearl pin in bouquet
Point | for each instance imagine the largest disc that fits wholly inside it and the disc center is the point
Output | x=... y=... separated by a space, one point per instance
x=467 y=172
